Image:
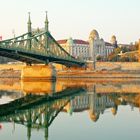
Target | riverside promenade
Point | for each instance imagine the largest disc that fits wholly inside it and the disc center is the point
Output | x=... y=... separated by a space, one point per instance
x=114 y=70
x=103 y=70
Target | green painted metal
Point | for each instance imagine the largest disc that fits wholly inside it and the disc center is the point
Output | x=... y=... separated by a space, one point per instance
x=29 y=32
x=42 y=44
x=36 y=45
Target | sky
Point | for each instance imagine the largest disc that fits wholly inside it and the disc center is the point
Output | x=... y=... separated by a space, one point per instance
x=73 y=18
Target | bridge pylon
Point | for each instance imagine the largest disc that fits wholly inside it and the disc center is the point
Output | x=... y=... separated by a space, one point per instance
x=139 y=51
x=38 y=72
x=46 y=30
x=29 y=32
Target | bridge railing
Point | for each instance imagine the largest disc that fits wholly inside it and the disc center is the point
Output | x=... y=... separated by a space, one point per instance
x=40 y=44
x=12 y=39
x=57 y=49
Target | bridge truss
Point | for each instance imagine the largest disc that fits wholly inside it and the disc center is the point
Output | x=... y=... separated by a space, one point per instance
x=39 y=47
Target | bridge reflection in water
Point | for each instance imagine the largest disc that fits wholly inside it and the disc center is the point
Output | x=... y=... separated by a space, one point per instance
x=37 y=110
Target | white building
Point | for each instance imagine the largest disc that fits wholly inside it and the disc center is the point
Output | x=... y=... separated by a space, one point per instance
x=98 y=47
x=76 y=47
x=85 y=49
x=108 y=48
x=93 y=103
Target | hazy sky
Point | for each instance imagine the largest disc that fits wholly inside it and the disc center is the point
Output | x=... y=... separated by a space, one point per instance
x=73 y=18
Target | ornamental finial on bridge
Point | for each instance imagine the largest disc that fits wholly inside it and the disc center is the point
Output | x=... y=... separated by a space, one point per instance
x=139 y=50
x=46 y=22
x=29 y=23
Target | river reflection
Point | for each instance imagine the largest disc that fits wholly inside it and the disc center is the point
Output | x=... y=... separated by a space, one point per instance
x=67 y=110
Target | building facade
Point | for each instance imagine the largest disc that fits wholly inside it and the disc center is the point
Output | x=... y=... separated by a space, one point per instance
x=86 y=50
x=108 y=48
x=114 y=41
x=76 y=47
x=94 y=104
x=98 y=47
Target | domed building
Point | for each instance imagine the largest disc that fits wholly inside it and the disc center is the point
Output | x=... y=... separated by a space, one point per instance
x=114 y=41
x=94 y=116
x=114 y=111
x=93 y=35
x=87 y=50
x=97 y=45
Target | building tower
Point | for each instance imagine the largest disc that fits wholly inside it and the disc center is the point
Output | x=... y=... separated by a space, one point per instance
x=92 y=37
x=114 y=41
x=92 y=50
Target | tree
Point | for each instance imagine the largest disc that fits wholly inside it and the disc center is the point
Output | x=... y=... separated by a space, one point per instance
x=99 y=58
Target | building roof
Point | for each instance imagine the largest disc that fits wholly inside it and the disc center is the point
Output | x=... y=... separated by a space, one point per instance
x=79 y=41
x=126 y=45
x=0 y=38
x=75 y=41
x=94 y=34
x=64 y=41
x=108 y=44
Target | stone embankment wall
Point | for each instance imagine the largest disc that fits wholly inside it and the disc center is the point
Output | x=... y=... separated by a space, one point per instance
x=10 y=73
x=135 y=66
x=118 y=65
x=104 y=70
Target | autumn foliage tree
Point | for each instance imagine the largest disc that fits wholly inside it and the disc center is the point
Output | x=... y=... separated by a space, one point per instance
x=130 y=57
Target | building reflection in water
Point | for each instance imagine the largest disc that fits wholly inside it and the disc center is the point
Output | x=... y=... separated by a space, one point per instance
x=38 y=111
x=97 y=103
x=94 y=103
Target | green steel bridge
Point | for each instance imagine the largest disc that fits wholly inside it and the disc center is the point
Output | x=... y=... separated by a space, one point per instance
x=37 y=47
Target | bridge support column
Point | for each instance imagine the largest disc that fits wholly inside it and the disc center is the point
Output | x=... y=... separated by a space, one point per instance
x=38 y=72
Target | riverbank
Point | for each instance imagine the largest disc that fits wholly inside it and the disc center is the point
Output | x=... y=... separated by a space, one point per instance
x=87 y=75
x=10 y=73
x=104 y=71
x=98 y=74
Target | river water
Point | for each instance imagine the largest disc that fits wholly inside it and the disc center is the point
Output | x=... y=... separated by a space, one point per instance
x=69 y=110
